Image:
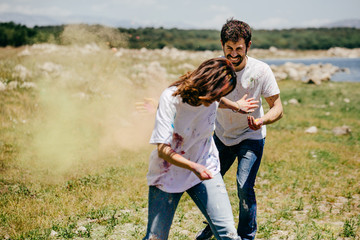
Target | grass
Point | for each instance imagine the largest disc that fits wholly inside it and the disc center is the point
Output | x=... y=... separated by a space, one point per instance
x=74 y=152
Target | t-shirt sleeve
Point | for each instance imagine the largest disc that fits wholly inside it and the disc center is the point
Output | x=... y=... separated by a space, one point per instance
x=270 y=86
x=164 y=121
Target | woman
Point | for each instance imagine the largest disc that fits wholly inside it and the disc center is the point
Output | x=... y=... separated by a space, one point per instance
x=186 y=158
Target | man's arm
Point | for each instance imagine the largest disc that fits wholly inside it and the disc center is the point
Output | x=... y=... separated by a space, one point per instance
x=276 y=109
x=273 y=115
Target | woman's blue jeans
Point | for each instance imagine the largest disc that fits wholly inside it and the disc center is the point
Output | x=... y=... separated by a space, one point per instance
x=211 y=198
x=249 y=153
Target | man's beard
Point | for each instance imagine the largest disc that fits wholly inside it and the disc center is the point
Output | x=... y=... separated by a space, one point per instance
x=237 y=63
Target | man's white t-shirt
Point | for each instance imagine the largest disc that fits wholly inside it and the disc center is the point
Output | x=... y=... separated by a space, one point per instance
x=255 y=80
x=188 y=130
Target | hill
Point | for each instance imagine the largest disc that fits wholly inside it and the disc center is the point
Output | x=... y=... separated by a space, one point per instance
x=12 y=34
x=349 y=23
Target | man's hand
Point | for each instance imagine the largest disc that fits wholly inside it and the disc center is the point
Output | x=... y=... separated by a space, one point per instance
x=255 y=124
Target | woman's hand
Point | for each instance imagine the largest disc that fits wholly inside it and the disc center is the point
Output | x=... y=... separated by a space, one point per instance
x=201 y=172
x=149 y=105
x=255 y=124
x=168 y=154
x=247 y=105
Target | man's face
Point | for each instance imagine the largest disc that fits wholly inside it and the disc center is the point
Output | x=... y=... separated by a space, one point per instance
x=236 y=53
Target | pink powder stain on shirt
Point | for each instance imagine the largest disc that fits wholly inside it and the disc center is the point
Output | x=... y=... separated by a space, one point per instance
x=166 y=166
x=178 y=140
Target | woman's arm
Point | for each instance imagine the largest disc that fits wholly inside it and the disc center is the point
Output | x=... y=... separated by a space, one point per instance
x=242 y=106
x=168 y=154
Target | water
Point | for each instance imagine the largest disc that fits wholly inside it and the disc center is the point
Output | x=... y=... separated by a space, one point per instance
x=353 y=64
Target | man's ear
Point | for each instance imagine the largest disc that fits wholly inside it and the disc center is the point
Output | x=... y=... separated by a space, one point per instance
x=222 y=45
x=249 y=45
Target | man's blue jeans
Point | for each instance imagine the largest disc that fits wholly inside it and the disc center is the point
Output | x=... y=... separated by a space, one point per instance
x=249 y=153
x=211 y=198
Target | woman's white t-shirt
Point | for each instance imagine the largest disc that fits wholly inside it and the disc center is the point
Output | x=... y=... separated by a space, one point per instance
x=188 y=130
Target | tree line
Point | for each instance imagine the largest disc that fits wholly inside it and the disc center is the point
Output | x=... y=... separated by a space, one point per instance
x=12 y=34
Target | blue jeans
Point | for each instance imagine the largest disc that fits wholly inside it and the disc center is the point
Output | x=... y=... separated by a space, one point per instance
x=211 y=198
x=249 y=153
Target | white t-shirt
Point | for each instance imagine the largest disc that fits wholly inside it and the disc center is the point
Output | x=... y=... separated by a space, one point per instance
x=188 y=130
x=256 y=80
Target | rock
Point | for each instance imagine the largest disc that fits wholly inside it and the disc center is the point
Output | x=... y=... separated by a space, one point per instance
x=50 y=67
x=28 y=85
x=346 y=100
x=53 y=233
x=21 y=72
x=280 y=76
x=273 y=49
x=25 y=52
x=12 y=85
x=2 y=86
x=314 y=79
x=343 y=130
x=81 y=229
x=344 y=52
x=293 y=101
x=314 y=73
x=294 y=74
x=311 y=129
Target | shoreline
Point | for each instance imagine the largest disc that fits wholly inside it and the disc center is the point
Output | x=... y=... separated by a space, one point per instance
x=271 y=53
x=274 y=53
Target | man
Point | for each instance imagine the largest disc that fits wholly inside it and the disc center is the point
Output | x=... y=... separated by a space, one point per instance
x=241 y=135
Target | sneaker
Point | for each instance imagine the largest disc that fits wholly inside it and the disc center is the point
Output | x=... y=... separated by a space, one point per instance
x=205 y=234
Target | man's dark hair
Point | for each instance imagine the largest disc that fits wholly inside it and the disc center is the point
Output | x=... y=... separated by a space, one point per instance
x=233 y=30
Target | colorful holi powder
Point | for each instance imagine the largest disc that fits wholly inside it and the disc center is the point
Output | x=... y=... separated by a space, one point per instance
x=166 y=165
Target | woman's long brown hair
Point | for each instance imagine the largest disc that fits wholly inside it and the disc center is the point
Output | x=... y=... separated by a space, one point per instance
x=207 y=81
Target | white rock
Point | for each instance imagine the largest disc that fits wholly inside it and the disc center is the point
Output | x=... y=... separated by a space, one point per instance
x=2 y=86
x=312 y=129
x=293 y=101
x=53 y=233
x=50 y=67
x=25 y=52
x=21 y=72
x=81 y=229
x=343 y=130
x=12 y=85
x=28 y=85
x=273 y=49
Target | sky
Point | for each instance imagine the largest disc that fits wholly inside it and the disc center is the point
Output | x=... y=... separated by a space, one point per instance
x=184 y=14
